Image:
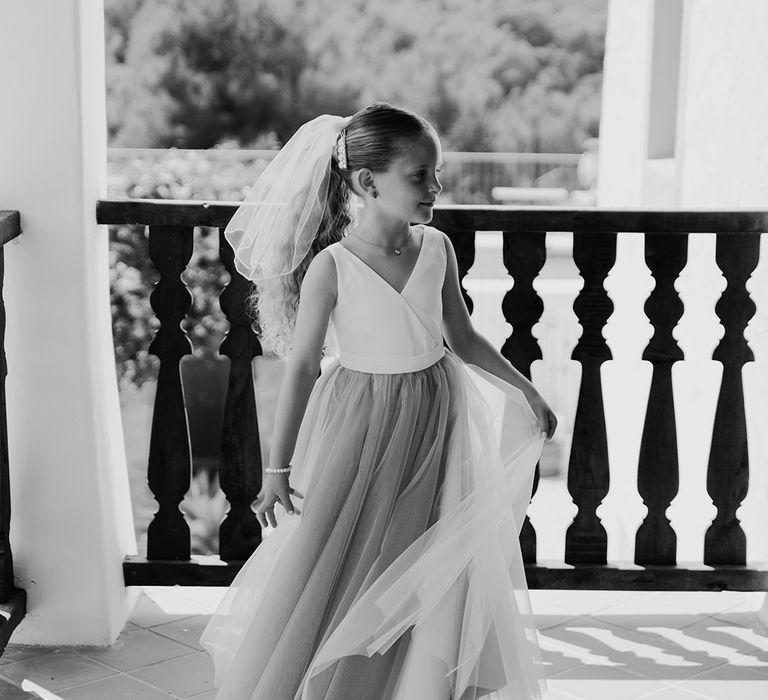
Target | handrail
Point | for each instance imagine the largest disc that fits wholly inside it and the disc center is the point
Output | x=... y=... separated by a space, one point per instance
x=155 y=212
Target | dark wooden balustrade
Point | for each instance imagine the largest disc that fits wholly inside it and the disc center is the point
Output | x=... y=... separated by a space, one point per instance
x=595 y=234
x=12 y=599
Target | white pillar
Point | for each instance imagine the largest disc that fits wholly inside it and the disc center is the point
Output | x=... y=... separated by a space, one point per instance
x=724 y=105
x=71 y=519
x=624 y=112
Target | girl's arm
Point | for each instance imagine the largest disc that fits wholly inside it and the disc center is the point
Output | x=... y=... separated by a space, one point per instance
x=318 y=296
x=475 y=349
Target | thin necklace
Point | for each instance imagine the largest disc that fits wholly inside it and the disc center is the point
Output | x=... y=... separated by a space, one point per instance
x=396 y=251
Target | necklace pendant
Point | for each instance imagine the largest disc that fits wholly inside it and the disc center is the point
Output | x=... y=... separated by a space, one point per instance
x=397 y=251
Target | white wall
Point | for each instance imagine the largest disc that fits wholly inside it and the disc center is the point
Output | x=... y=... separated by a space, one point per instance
x=720 y=155
x=71 y=520
x=723 y=126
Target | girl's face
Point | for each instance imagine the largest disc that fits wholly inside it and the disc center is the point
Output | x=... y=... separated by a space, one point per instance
x=408 y=189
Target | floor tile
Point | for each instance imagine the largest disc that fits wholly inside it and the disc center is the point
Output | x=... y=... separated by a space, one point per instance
x=666 y=603
x=57 y=670
x=585 y=602
x=208 y=695
x=187 y=630
x=544 y=622
x=710 y=646
x=186 y=600
x=8 y=691
x=611 y=689
x=644 y=621
x=185 y=676
x=740 y=640
x=727 y=689
x=732 y=672
x=200 y=600
x=120 y=687
x=19 y=652
x=659 y=662
x=138 y=648
x=585 y=640
x=148 y=612
x=673 y=693
x=558 y=694
x=704 y=602
x=602 y=672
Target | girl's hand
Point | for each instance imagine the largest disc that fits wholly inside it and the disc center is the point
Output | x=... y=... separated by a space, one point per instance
x=274 y=489
x=547 y=419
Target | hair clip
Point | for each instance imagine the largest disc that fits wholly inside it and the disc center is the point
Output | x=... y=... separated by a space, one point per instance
x=341 y=149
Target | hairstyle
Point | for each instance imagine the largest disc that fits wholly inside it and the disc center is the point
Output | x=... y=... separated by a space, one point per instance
x=375 y=137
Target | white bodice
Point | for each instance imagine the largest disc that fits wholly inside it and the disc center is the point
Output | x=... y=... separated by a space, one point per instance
x=381 y=331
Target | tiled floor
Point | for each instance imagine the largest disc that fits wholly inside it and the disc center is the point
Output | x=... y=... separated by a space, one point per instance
x=597 y=646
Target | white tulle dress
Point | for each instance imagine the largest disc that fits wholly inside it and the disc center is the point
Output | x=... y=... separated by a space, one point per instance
x=402 y=578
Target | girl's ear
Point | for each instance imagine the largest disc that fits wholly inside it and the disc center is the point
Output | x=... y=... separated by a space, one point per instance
x=363 y=183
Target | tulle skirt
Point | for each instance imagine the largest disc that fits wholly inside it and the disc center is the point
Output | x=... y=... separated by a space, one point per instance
x=402 y=578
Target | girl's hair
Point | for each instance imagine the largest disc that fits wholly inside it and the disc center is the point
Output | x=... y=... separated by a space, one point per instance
x=375 y=137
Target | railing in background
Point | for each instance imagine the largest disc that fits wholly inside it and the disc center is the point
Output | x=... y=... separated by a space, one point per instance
x=467 y=178
x=595 y=232
x=12 y=599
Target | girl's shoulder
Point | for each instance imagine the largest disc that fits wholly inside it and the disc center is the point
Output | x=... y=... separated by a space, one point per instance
x=438 y=235
x=321 y=272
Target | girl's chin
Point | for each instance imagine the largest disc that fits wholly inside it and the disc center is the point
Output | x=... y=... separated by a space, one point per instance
x=423 y=215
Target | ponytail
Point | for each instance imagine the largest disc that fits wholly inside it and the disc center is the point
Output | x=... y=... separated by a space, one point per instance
x=274 y=303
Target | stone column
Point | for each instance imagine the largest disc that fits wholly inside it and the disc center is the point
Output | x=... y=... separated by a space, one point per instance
x=71 y=517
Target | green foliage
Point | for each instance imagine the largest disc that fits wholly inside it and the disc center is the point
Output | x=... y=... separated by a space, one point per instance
x=132 y=274
x=491 y=74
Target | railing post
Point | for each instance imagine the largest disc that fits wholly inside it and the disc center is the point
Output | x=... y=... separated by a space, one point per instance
x=524 y=254
x=240 y=467
x=657 y=472
x=464 y=245
x=588 y=476
x=170 y=461
x=737 y=256
x=6 y=558
x=13 y=601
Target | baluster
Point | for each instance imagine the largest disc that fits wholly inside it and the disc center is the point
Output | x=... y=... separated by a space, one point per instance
x=170 y=460
x=657 y=473
x=728 y=469
x=586 y=540
x=6 y=559
x=464 y=245
x=240 y=468
x=524 y=255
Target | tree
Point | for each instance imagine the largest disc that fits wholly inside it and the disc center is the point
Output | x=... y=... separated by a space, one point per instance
x=491 y=74
x=193 y=73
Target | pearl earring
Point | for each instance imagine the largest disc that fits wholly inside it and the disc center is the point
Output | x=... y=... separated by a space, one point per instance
x=374 y=193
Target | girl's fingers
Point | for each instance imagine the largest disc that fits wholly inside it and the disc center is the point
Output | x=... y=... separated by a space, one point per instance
x=288 y=505
x=551 y=424
x=295 y=492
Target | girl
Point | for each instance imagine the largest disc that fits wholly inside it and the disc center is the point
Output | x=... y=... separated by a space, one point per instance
x=400 y=578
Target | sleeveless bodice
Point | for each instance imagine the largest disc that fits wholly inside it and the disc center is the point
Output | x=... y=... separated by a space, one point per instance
x=383 y=331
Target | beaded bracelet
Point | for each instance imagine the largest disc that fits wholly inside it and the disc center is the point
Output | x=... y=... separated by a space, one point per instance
x=271 y=470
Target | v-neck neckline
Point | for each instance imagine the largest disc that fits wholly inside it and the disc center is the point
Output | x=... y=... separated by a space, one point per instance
x=376 y=274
